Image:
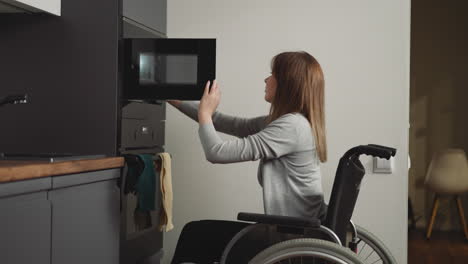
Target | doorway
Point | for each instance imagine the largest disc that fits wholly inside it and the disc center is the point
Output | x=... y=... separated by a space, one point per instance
x=438 y=120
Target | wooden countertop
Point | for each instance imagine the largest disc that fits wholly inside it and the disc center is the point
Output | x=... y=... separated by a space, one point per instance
x=13 y=170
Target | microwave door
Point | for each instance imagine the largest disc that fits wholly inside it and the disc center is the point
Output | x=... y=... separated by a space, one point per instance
x=168 y=68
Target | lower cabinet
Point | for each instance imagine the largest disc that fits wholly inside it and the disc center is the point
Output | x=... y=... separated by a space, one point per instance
x=25 y=229
x=85 y=224
x=76 y=219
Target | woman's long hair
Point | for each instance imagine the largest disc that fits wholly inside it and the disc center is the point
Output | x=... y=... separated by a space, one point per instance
x=300 y=88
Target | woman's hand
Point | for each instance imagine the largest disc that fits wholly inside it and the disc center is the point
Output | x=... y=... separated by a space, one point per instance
x=209 y=102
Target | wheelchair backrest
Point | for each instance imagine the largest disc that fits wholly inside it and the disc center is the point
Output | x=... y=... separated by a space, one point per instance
x=347 y=184
x=344 y=195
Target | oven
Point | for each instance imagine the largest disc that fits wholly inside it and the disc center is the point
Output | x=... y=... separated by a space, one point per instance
x=142 y=132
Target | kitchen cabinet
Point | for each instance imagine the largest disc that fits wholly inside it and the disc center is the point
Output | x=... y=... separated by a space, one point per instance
x=74 y=71
x=25 y=214
x=30 y=6
x=61 y=219
x=72 y=79
x=85 y=223
x=146 y=14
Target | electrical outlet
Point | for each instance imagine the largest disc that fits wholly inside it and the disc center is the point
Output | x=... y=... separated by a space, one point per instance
x=383 y=165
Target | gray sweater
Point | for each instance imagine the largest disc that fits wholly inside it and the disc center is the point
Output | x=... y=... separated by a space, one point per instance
x=289 y=169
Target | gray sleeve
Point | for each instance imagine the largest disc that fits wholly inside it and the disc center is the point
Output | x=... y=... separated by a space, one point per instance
x=277 y=139
x=231 y=125
x=190 y=109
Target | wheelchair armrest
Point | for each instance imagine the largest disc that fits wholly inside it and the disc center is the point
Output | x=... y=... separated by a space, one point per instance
x=279 y=220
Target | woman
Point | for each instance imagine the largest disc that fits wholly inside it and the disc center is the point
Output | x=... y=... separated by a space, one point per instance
x=290 y=142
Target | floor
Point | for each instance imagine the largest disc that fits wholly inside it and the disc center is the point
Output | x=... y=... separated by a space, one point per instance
x=443 y=248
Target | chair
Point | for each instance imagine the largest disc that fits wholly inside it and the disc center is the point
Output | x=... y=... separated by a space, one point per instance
x=447 y=175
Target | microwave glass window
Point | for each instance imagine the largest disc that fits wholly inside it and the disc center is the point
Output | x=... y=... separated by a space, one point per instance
x=181 y=69
x=168 y=69
x=148 y=69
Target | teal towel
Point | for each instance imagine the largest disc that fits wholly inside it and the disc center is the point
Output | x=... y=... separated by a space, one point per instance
x=146 y=185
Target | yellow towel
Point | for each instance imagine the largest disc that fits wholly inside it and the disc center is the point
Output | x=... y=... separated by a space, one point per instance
x=165 y=221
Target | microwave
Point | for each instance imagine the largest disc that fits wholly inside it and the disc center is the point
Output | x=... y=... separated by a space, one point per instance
x=164 y=69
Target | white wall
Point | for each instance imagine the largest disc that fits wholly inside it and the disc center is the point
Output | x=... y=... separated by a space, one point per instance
x=363 y=48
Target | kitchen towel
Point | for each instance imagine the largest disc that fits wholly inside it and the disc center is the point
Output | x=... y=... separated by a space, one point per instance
x=165 y=222
x=146 y=186
x=134 y=166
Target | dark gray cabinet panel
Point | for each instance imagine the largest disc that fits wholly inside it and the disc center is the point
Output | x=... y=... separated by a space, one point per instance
x=24 y=187
x=62 y=219
x=71 y=75
x=147 y=13
x=83 y=178
x=25 y=229
x=132 y=29
x=85 y=224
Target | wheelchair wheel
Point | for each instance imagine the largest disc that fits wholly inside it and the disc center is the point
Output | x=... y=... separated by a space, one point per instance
x=305 y=251
x=371 y=249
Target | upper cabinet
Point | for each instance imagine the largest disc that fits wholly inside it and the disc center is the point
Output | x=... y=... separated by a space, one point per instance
x=149 y=15
x=30 y=6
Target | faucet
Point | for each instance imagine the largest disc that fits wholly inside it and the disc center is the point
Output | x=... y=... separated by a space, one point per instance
x=15 y=99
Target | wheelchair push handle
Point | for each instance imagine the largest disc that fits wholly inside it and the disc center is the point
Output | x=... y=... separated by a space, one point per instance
x=391 y=150
x=383 y=153
x=374 y=150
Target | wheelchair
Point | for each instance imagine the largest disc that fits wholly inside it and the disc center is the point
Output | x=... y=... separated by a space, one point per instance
x=270 y=239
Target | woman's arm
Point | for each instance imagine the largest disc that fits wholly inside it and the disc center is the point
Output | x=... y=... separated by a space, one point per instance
x=231 y=125
x=190 y=109
x=277 y=139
